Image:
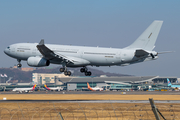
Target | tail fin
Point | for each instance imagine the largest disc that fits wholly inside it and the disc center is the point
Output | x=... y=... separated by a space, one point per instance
x=45 y=86
x=169 y=83
x=34 y=87
x=147 y=39
x=88 y=85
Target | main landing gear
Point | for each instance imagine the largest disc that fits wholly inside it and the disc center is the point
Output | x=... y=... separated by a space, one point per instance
x=19 y=65
x=66 y=73
x=85 y=71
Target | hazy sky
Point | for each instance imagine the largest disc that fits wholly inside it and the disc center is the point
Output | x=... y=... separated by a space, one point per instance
x=103 y=23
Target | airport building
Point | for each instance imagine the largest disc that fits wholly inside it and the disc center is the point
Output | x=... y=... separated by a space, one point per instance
x=77 y=83
x=108 y=83
x=119 y=83
x=44 y=78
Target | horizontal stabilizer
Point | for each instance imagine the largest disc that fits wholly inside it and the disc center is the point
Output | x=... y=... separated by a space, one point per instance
x=165 y=52
x=141 y=53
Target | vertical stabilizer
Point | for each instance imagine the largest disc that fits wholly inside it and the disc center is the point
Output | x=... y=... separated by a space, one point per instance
x=45 y=87
x=34 y=87
x=147 y=39
x=88 y=85
x=169 y=83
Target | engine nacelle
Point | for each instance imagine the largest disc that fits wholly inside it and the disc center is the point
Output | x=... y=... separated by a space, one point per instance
x=37 y=62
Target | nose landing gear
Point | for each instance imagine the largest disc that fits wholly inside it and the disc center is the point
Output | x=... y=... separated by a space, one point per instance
x=19 y=65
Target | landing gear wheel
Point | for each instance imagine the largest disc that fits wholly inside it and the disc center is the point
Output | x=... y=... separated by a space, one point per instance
x=82 y=70
x=65 y=73
x=88 y=73
x=19 y=65
x=62 y=69
x=69 y=73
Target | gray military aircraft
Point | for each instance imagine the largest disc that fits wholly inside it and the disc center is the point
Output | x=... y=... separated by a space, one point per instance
x=39 y=55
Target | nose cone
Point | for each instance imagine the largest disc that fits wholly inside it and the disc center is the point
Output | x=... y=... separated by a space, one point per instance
x=6 y=51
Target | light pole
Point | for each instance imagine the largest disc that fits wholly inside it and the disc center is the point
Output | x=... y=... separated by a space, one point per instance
x=92 y=81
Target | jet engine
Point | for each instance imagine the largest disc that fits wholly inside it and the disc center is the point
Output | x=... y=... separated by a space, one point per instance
x=37 y=62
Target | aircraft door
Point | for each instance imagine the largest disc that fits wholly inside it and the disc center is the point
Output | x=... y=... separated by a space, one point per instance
x=34 y=51
x=13 y=49
x=81 y=53
x=118 y=55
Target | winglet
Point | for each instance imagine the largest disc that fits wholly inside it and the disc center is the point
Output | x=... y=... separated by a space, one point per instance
x=41 y=42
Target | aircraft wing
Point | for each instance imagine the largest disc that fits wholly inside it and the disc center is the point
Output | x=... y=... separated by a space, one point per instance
x=49 y=54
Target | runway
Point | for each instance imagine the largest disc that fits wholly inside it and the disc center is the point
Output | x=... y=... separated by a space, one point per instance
x=87 y=101
x=101 y=92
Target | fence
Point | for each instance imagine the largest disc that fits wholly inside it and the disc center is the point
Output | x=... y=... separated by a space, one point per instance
x=87 y=111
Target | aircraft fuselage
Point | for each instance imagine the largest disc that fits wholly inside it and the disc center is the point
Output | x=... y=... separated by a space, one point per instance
x=95 y=56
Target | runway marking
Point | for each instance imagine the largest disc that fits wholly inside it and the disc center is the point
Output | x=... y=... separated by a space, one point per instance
x=86 y=97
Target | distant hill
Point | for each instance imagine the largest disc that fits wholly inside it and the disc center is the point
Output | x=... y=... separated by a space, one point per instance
x=23 y=76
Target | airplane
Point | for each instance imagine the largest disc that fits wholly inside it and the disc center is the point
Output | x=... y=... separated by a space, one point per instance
x=40 y=55
x=26 y=90
x=53 y=88
x=173 y=86
x=94 y=88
